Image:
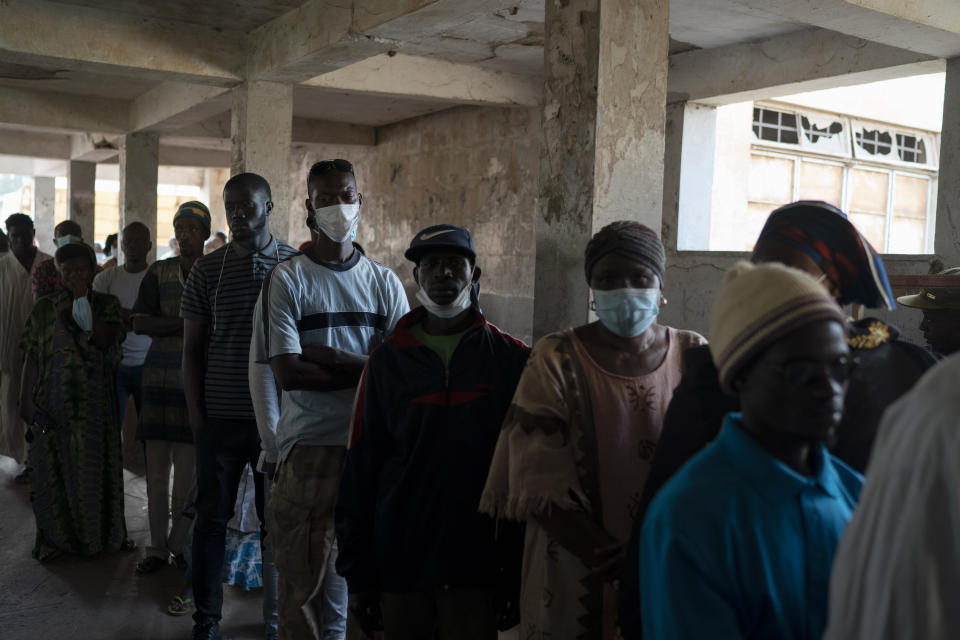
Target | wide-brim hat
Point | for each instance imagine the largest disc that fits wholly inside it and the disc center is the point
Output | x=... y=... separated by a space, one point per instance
x=936 y=297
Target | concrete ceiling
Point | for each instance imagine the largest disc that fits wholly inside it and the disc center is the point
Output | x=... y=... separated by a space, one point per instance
x=230 y=15
x=142 y=55
x=370 y=110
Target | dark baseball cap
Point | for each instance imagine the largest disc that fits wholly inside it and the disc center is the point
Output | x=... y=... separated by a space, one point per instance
x=444 y=237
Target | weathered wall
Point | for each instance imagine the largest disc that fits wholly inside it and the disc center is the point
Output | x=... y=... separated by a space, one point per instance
x=471 y=166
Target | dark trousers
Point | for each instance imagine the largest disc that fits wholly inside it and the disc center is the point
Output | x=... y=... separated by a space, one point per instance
x=223 y=448
x=129 y=383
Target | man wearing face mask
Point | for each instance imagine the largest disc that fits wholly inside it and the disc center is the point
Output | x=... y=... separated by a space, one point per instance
x=417 y=555
x=15 y=266
x=322 y=313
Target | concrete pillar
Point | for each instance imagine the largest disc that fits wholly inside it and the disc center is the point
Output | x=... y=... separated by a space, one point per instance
x=44 y=197
x=947 y=230
x=698 y=142
x=82 y=180
x=213 y=181
x=601 y=159
x=139 y=164
x=261 y=128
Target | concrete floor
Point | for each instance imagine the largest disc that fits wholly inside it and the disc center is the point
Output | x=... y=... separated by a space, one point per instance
x=97 y=598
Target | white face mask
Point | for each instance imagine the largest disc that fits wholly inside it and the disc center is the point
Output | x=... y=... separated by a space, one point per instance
x=339 y=221
x=459 y=304
x=82 y=313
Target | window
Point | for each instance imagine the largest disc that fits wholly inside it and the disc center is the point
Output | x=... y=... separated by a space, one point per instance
x=911 y=149
x=775 y=126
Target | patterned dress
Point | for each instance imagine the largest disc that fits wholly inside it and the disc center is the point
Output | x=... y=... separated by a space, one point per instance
x=579 y=438
x=76 y=472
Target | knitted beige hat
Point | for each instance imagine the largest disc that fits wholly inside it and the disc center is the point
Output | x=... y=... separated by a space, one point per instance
x=758 y=305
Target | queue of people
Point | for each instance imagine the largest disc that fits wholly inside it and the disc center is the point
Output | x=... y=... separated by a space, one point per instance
x=422 y=474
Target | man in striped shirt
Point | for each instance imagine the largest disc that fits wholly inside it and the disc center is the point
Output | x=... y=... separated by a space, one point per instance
x=217 y=309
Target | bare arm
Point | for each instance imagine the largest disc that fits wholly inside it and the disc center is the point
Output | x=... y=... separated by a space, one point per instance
x=296 y=372
x=158 y=325
x=345 y=363
x=194 y=367
x=28 y=381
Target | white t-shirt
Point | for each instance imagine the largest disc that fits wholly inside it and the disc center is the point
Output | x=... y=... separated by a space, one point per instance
x=125 y=285
x=353 y=307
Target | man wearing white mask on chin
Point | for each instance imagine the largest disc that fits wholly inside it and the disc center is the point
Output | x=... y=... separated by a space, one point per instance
x=419 y=559
x=322 y=313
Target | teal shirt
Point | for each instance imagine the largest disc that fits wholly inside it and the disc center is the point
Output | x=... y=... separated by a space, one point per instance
x=739 y=545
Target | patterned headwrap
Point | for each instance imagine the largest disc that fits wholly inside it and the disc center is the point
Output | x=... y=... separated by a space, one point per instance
x=194 y=209
x=823 y=232
x=629 y=239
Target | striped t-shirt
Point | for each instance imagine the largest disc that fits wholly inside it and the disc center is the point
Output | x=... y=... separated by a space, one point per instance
x=221 y=291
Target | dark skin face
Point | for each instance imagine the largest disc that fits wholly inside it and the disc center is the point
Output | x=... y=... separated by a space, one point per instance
x=136 y=244
x=792 y=395
x=76 y=274
x=191 y=235
x=443 y=274
x=21 y=238
x=941 y=330
x=624 y=356
x=326 y=190
x=248 y=208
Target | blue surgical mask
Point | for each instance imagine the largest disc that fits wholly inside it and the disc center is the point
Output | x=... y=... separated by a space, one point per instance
x=627 y=312
x=82 y=313
x=64 y=240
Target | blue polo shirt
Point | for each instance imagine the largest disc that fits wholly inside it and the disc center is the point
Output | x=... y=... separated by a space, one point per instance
x=739 y=545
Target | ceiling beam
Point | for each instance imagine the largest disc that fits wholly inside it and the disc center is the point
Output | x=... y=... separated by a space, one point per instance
x=172 y=105
x=793 y=63
x=63 y=111
x=320 y=36
x=931 y=27
x=305 y=131
x=34 y=144
x=84 y=38
x=429 y=78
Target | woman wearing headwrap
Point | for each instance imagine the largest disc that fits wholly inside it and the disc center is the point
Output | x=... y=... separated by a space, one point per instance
x=72 y=346
x=576 y=445
x=815 y=237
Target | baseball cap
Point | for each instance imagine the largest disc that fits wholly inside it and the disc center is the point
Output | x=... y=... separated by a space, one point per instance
x=441 y=236
x=946 y=297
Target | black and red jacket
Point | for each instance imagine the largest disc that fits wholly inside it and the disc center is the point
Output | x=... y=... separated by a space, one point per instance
x=421 y=442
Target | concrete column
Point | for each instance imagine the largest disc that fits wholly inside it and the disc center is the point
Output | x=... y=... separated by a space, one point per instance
x=947 y=230
x=139 y=164
x=44 y=197
x=261 y=129
x=82 y=189
x=213 y=181
x=698 y=142
x=601 y=159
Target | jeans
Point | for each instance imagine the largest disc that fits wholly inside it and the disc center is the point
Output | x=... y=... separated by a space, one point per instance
x=334 y=612
x=224 y=448
x=269 y=568
x=129 y=382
